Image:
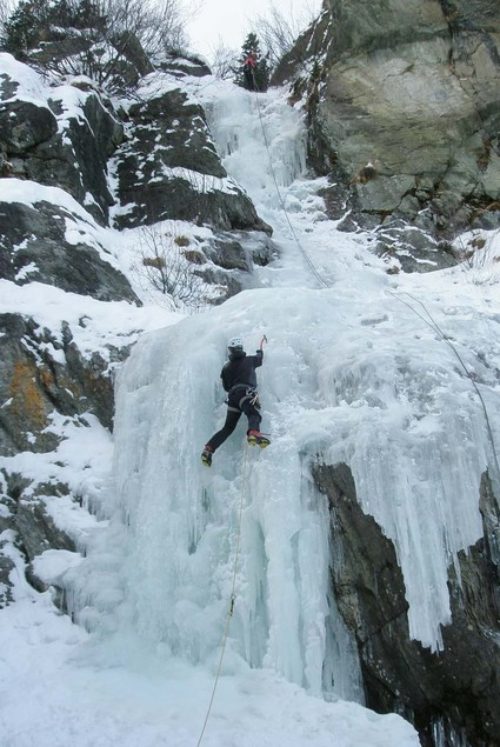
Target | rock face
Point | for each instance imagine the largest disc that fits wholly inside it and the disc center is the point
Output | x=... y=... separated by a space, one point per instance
x=35 y=383
x=27 y=520
x=165 y=166
x=453 y=693
x=404 y=110
x=44 y=377
x=169 y=169
x=35 y=248
x=65 y=143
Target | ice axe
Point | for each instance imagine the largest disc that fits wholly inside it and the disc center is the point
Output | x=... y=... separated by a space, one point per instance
x=263 y=340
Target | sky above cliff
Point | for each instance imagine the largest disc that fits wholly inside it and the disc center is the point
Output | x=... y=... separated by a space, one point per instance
x=218 y=20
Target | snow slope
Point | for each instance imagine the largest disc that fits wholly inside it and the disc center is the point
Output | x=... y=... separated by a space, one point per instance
x=62 y=690
x=351 y=374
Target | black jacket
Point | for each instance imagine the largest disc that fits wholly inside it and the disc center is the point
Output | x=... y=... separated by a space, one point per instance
x=241 y=370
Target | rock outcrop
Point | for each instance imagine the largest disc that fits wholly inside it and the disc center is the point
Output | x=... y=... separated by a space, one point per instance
x=35 y=248
x=404 y=111
x=64 y=141
x=159 y=151
x=42 y=372
x=453 y=693
x=169 y=169
x=45 y=380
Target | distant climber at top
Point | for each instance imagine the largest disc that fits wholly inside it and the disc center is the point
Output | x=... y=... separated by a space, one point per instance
x=252 y=72
x=240 y=382
x=249 y=67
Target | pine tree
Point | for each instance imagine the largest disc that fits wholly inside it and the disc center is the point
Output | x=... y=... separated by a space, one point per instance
x=26 y=25
x=88 y=14
x=22 y=27
x=60 y=14
x=257 y=78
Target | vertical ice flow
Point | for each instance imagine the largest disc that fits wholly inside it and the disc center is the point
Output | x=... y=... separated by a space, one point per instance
x=345 y=378
x=183 y=521
x=261 y=140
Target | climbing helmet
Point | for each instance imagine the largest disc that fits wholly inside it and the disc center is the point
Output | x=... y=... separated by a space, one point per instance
x=235 y=343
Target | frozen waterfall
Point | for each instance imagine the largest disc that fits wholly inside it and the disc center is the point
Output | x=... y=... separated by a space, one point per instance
x=180 y=522
x=349 y=375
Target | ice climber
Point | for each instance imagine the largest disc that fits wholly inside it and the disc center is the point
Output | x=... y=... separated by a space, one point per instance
x=249 y=71
x=240 y=382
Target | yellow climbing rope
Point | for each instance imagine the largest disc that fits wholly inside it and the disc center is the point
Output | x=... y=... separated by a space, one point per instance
x=232 y=598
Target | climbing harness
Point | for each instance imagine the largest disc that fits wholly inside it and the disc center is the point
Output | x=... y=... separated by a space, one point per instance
x=254 y=399
x=251 y=394
x=232 y=596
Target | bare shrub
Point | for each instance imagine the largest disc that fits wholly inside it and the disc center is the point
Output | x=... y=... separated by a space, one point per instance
x=6 y=8
x=225 y=61
x=157 y=24
x=106 y=40
x=278 y=30
x=134 y=31
x=194 y=256
x=167 y=270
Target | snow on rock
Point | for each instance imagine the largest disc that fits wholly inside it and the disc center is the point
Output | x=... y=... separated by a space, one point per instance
x=21 y=82
x=51 y=565
x=57 y=134
x=30 y=193
x=95 y=325
x=81 y=459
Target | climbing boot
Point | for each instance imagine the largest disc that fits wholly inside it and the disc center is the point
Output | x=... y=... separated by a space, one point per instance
x=255 y=438
x=206 y=456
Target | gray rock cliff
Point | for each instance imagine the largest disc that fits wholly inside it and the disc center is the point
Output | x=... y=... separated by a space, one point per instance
x=35 y=248
x=453 y=693
x=65 y=143
x=404 y=111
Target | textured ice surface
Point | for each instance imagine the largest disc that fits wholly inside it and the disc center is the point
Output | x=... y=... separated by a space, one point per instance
x=350 y=374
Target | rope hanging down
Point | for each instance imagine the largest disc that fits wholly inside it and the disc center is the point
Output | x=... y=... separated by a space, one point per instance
x=323 y=283
x=232 y=600
x=431 y=322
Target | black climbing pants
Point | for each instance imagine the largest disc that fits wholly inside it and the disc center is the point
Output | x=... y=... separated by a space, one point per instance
x=249 y=75
x=238 y=403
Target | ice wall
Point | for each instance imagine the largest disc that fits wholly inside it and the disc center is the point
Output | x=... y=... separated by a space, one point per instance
x=183 y=520
x=359 y=392
x=411 y=427
x=350 y=375
x=261 y=140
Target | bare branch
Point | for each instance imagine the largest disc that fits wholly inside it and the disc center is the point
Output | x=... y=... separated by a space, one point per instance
x=163 y=264
x=279 y=30
x=111 y=41
x=225 y=61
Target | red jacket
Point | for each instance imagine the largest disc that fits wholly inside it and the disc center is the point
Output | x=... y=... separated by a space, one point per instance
x=251 y=60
